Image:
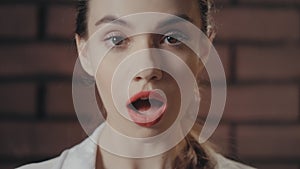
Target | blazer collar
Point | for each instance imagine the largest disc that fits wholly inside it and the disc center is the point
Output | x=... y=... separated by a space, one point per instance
x=83 y=155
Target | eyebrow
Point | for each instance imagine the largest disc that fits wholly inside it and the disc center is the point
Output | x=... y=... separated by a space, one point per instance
x=111 y=19
x=173 y=20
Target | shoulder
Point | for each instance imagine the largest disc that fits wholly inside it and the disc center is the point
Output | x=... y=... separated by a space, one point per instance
x=54 y=163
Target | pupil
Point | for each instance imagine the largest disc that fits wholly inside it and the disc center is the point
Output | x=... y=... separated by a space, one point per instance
x=171 y=39
x=117 y=40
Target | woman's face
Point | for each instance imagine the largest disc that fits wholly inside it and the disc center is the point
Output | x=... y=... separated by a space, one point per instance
x=144 y=85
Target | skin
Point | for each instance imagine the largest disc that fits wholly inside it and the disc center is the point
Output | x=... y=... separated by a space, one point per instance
x=145 y=80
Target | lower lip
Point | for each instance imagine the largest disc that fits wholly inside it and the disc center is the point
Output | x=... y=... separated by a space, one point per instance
x=148 y=119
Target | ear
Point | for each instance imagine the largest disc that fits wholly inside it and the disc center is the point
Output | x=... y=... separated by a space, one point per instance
x=83 y=54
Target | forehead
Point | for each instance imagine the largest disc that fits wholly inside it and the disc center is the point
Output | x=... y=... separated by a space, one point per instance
x=99 y=9
x=125 y=7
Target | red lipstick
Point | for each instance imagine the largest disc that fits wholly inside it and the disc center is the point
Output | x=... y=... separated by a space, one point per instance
x=146 y=108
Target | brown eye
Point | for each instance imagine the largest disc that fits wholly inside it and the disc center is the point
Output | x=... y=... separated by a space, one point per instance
x=173 y=38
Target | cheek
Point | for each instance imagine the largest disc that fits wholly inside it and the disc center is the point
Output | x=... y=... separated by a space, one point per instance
x=103 y=77
x=106 y=69
x=196 y=66
x=103 y=80
x=192 y=61
x=103 y=88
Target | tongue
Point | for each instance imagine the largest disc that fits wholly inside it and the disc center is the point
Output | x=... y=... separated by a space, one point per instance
x=146 y=112
x=142 y=105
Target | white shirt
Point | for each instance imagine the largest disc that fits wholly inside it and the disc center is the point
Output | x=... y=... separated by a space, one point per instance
x=83 y=156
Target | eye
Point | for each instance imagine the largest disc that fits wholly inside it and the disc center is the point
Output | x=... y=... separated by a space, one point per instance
x=173 y=38
x=116 y=39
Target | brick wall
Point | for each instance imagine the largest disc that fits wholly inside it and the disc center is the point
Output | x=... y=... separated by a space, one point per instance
x=258 y=41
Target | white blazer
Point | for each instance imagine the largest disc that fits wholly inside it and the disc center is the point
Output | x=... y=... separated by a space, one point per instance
x=83 y=156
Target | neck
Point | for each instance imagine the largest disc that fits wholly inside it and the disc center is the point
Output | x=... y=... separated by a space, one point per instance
x=119 y=151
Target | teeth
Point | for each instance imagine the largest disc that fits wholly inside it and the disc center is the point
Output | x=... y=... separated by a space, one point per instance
x=144 y=98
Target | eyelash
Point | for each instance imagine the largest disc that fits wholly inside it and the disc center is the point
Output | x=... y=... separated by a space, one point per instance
x=110 y=36
x=174 y=35
x=119 y=40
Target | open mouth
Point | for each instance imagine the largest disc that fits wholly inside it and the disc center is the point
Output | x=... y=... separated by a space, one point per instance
x=146 y=108
x=143 y=104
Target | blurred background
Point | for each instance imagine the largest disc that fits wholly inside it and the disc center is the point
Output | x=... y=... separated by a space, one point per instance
x=259 y=45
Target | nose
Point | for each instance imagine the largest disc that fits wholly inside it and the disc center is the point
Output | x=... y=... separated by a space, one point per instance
x=148 y=59
x=149 y=75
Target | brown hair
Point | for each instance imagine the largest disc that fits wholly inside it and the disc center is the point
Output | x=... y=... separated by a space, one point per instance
x=193 y=155
x=205 y=7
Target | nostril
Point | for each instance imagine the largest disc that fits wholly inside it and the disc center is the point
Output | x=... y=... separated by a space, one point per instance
x=137 y=78
x=149 y=75
x=154 y=78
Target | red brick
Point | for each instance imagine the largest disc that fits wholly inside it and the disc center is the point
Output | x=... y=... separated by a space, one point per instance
x=18 y=98
x=258 y=24
x=38 y=139
x=262 y=103
x=16 y=139
x=37 y=58
x=59 y=99
x=18 y=21
x=278 y=166
x=59 y=135
x=61 y=21
x=224 y=55
x=278 y=62
x=221 y=2
x=221 y=139
x=268 y=142
x=272 y=2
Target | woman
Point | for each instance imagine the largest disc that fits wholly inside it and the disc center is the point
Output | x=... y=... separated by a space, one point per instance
x=154 y=99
